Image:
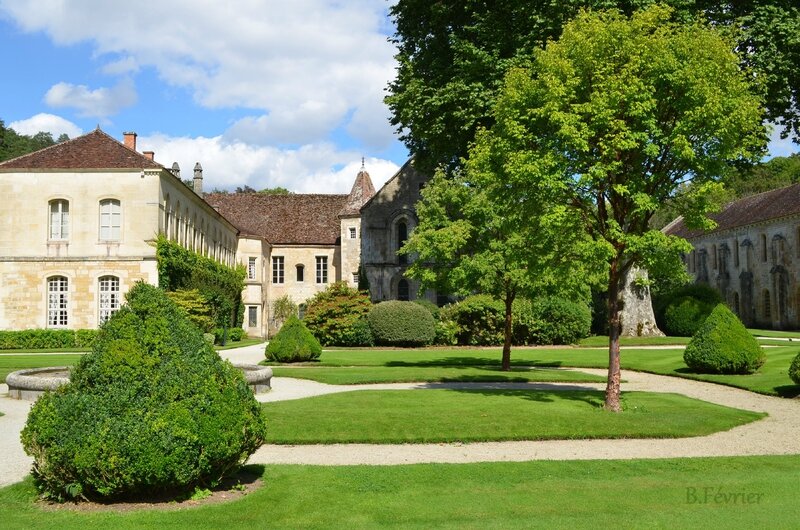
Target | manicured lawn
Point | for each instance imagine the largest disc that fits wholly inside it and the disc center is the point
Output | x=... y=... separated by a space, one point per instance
x=774 y=333
x=602 y=341
x=241 y=344
x=741 y=492
x=346 y=375
x=12 y=363
x=431 y=416
x=48 y=350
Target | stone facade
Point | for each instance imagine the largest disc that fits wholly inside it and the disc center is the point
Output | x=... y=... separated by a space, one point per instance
x=753 y=257
x=386 y=221
x=78 y=224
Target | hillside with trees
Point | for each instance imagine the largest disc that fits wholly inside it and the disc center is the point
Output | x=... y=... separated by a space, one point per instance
x=13 y=144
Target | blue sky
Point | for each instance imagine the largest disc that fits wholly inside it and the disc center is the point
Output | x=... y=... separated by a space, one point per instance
x=261 y=92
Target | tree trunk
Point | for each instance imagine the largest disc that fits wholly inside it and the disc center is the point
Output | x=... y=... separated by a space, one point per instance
x=507 y=334
x=637 y=315
x=614 y=328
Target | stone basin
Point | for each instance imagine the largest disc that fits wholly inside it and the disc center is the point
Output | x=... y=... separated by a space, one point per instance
x=31 y=383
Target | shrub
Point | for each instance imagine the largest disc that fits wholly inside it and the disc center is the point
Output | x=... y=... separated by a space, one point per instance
x=293 y=343
x=151 y=410
x=361 y=333
x=722 y=345
x=283 y=308
x=446 y=333
x=46 y=339
x=331 y=315
x=683 y=317
x=234 y=335
x=794 y=370
x=196 y=306
x=396 y=323
x=478 y=319
x=432 y=308
x=557 y=320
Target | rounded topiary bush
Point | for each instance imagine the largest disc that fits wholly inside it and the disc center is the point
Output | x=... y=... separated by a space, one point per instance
x=560 y=321
x=478 y=319
x=794 y=370
x=722 y=345
x=396 y=323
x=151 y=410
x=684 y=316
x=293 y=343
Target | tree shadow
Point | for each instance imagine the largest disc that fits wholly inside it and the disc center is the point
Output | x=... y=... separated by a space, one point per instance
x=471 y=362
x=539 y=392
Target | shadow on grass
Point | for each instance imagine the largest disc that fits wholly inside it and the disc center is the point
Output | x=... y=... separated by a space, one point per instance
x=539 y=392
x=471 y=362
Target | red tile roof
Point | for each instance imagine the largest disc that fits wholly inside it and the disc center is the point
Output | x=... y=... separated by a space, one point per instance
x=95 y=150
x=749 y=210
x=300 y=219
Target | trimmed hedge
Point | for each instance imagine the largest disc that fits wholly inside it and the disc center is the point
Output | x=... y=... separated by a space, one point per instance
x=478 y=319
x=558 y=321
x=683 y=317
x=293 y=343
x=794 y=370
x=152 y=410
x=722 y=345
x=332 y=315
x=397 y=323
x=45 y=339
x=234 y=335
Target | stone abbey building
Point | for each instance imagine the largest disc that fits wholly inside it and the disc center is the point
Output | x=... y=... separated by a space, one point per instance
x=79 y=220
x=752 y=257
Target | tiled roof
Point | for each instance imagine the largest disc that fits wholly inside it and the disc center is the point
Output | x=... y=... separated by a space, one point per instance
x=749 y=210
x=362 y=191
x=95 y=150
x=302 y=219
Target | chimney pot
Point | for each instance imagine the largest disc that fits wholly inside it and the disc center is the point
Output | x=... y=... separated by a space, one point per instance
x=130 y=140
x=176 y=169
x=149 y=154
x=197 y=182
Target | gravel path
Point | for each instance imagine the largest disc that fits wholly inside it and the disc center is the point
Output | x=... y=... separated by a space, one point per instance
x=779 y=433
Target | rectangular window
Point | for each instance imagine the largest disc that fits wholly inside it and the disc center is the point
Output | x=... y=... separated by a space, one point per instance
x=252 y=316
x=59 y=219
x=277 y=269
x=110 y=220
x=736 y=253
x=251 y=268
x=322 y=269
x=108 y=299
x=355 y=278
x=57 y=301
x=300 y=272
x=352 y=233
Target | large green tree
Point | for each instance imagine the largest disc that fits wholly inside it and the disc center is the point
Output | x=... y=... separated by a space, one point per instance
x=616 y=115
x=467 y=241
x=454 y=54
x=13 y=144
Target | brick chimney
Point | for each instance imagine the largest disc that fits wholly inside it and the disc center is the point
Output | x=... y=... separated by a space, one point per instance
x=149 y=154
x=130 y=140
x=197 y=182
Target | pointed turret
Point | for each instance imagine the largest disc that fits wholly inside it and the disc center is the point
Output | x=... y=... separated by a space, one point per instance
x=362 y=191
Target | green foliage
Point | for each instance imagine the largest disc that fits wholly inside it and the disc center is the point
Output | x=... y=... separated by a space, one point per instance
x=432 y=308
x=45 y=339
x=794 y=370
x=293 y=343
x=772 y=174
x=234 y=335
x=278 y=190
x=397 y=323
x=332 y=314
x=196 y=306
x=220 y=286
x=558 y=321
x=153 y=409
x=13 y=144
x=681 y=312
x=361 y=333
x=479 y=320
x=722 y=345
x=283 y=307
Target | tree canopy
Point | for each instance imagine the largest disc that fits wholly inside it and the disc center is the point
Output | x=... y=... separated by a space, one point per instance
x=13 y=144
x=453 y=56
x=614 y=116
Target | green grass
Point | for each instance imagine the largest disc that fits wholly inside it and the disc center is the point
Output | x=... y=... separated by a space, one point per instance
x=357 y=375
x=48 y=350
x=774 y=333
x=602 y=341
x=12 y=363
x=573 y=494
x=432 y=416
x=240 y=344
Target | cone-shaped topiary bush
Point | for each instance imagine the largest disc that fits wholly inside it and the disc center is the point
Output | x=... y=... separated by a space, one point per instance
x=152 y=410
x=794 y=370
x=722 y=345
x=396 y=323
x=293 y=343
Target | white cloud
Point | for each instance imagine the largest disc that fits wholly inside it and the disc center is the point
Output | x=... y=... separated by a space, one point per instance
x=55 y=125
x=98 y=103
x=304 y=65
x=312 y=168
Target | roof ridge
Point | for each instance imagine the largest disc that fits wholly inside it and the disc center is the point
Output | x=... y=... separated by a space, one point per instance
x=43 y=149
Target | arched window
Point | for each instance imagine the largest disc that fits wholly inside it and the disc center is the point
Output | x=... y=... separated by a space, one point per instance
x=402 y=290
x=767 y=306
x=108 y=298
x=59 y=219
x=714 y=256
x=402 y=235
x=167 y=214
x=300 y=271
x=110 y=220
x=736 y=253
x=764 y=248
x=57 y=301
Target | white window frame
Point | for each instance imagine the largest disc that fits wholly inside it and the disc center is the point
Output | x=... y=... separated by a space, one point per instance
x=108 y=298
x=57 y=302
x=110 y=220
x=322 y=269
x=278 y=269
x=251 y=268
x=252 y=316
x=352 y=232
x=58 y=220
